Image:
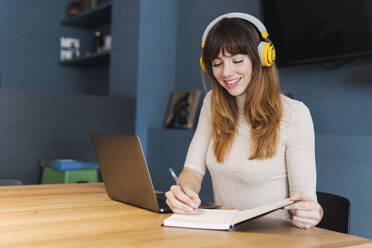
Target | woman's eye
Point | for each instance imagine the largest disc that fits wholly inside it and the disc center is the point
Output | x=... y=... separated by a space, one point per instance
x=216 y=64
x=238 y=61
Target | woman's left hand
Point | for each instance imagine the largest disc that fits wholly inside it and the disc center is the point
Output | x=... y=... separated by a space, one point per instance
x=305 y=213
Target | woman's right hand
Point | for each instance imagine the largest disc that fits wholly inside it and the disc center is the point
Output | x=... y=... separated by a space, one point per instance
x=180 y=203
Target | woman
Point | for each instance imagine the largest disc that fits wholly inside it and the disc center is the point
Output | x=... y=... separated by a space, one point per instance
x=257 y=144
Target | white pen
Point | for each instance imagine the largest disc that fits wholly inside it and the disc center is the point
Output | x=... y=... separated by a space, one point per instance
x=179 y=184
x=177 y=181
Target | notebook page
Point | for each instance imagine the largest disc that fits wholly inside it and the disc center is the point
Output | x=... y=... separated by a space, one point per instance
x=203 y=218
x=247 y=214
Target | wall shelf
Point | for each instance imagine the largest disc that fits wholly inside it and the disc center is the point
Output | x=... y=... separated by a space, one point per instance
x=100 y=58
x=99 y=15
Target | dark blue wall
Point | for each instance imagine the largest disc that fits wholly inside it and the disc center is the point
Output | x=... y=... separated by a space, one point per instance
x=157 y=63
x=43 y=126
x=171 y=153
x=30 y=34
x=143 y=61
x=124 y=57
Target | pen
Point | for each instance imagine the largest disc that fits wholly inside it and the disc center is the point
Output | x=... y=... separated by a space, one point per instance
x=177 y=181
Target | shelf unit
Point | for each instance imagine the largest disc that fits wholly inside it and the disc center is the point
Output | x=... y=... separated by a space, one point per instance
x=100 y=58
x=90 y=18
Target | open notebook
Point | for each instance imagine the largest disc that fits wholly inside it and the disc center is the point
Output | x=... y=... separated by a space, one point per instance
x=221 y=219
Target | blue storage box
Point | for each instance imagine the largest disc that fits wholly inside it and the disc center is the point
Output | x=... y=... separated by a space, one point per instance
x=70 y=164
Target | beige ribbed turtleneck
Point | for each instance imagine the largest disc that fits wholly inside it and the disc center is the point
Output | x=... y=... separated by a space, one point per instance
x=242 y=183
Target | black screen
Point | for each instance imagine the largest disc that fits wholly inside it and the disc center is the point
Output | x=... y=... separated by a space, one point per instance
x=305 y=31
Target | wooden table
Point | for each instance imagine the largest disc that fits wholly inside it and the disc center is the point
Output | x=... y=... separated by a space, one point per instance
x=82 y=215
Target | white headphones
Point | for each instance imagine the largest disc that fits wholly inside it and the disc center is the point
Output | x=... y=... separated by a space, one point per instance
x=266 y=49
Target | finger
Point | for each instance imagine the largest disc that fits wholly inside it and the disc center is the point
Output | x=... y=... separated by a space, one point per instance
x=171 y=201
x=197 y=202
x=168 y=197
x=182 y=207
x=301 y=225
x=312 y=210
x=298 y=224
x=306 y=214
x=315 y=213
x=191 y=193
x=304 y=221
x=194 y=197
x=174 y=209
x=192 y=202
x=170 y=206
x=177 y=206
x=178 y=193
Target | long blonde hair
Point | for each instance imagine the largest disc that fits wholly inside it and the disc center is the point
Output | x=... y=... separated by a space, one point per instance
x=262 y=106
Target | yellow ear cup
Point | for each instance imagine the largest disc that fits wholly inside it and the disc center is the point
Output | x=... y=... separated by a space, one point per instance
x=273 y=54
x=267 y=53
x=202 y=63
x=201 y=58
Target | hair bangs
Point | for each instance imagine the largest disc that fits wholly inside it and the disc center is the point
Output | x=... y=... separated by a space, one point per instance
x=229 y=37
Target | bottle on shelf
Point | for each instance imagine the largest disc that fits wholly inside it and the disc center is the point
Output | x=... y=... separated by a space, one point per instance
x=98 y=41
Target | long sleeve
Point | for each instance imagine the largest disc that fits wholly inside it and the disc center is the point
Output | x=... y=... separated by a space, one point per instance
x=198 y=148
x=300 y=153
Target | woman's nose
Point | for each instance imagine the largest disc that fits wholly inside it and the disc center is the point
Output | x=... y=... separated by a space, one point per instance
x=227 y=69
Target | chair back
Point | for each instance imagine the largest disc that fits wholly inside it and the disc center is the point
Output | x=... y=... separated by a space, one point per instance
x=336 y=212
x=8 y=182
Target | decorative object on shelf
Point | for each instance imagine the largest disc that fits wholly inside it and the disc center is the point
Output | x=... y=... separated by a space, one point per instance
x=83 y=5
x=96 y=3
x=70 y=48
x=93 y=3
x=107 y=41
x=90 y=18
x=73 y=8
x=182 y=109
x=98 y=41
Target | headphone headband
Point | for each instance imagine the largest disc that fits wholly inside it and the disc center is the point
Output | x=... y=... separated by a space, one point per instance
x=266 y=49
x=259 y=25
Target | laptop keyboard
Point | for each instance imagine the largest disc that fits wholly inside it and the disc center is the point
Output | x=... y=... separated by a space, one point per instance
x=161 y=200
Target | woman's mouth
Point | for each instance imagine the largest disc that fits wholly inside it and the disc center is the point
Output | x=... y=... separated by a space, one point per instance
x=232 y=83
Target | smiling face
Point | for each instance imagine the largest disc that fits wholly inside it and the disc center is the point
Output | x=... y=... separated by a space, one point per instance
x=233 y=72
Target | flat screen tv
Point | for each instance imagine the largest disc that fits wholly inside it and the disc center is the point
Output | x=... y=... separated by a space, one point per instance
x=308 y=31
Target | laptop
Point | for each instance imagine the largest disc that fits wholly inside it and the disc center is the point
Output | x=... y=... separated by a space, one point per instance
x=125 y=173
